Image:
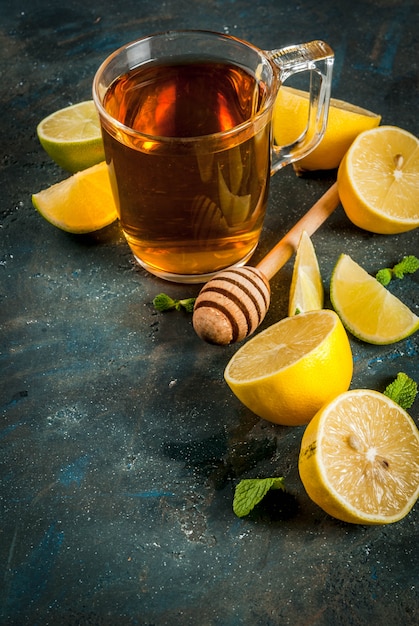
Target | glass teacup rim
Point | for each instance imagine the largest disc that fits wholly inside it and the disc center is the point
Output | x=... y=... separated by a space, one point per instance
x=255 y=122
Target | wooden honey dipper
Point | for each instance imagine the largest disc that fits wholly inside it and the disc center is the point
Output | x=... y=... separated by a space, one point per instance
x=233 y=304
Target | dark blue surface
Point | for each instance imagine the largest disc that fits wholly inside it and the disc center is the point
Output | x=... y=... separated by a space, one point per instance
x=120 y=444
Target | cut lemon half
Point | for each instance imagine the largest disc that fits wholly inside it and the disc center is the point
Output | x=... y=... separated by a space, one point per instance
x=287 y=372
x=359 y=459
x=345 y=122
x=306 y=292
x=79 y=204
x=72 y=136
x=378 y=181
x=367 y=309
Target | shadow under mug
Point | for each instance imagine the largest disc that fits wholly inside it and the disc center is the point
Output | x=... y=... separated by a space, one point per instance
x=186 y=123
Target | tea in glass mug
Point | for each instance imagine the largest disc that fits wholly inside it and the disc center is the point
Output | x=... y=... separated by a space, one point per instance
x=186 y=124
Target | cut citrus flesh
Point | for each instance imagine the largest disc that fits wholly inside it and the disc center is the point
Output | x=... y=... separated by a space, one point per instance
x=72 y=136
x=359 y=459
x=367 y=309
x=81 y=203
x=287 y=372
x=378 y=181
x=345 y=122
x=306 y=291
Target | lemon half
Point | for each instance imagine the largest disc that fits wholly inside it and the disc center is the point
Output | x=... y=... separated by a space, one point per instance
x=359 y=459
x=378 y=181
x=288 y=371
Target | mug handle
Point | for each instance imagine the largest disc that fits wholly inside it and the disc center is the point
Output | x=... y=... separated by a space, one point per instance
x=317 y=58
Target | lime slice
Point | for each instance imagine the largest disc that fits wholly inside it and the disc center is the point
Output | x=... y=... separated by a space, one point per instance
x=367 y=309
x=306 y=292
x=72 y=136
x=79 y=204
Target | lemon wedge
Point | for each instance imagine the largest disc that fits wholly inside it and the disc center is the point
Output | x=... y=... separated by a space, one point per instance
x=81 y=203
x=345 y=122
x=306 y=291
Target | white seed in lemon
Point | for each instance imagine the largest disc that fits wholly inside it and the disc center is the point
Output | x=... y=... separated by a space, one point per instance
x=72 y=136
x=81 y=203
x=291 y=369
x=359 y=459
x=306 y=291
x=367 y=309
x=345 y=122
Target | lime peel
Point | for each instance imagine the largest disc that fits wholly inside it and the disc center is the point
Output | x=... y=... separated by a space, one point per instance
x=72 y=136
x=367 y=309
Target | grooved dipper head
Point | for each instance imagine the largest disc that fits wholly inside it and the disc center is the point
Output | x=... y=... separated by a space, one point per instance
x=231 y=305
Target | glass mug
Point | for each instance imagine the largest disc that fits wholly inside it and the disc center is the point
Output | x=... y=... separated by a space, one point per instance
x=186 y=123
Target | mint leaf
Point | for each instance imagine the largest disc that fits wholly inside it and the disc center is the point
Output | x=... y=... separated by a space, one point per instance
x=384 y=276
x=402 y=390
x=408 y=265
x=250 y=491
x=188 y=304
x=162 y=302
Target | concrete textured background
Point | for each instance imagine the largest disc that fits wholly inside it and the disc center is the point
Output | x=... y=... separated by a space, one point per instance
x=120 y=444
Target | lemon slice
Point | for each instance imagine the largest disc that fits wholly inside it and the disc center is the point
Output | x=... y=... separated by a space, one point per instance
x=359 y=459
x=378 y=181
x=306 y=292
x=72 y=136
x=367 y=309
x=345 y=122
x=79 y=204
x=287 y=372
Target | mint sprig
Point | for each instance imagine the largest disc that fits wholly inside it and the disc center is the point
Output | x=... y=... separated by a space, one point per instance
x=408 y=265
x=250 y=491
x=162 y=302
x=402 y=390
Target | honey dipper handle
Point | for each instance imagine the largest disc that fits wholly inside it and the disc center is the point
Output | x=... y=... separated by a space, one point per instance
x=310 y=222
